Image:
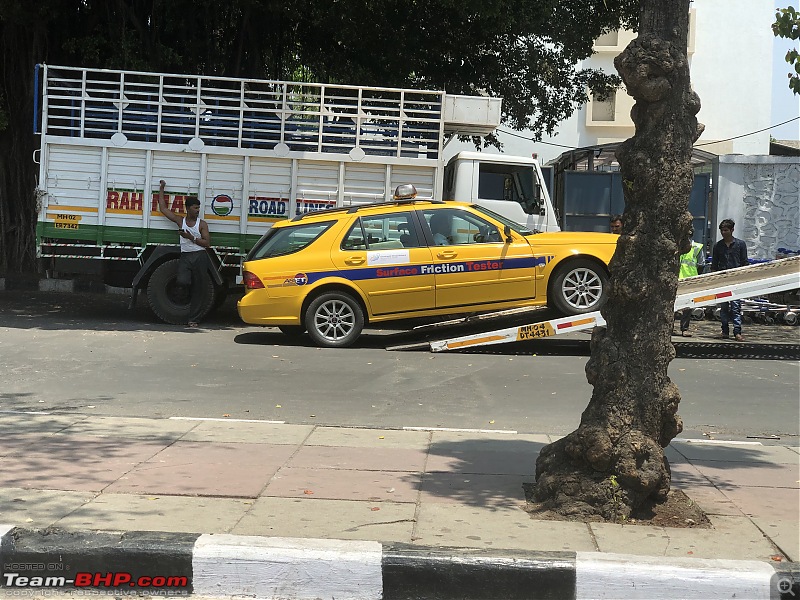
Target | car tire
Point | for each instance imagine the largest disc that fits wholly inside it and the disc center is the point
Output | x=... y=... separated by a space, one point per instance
x=579 y=286
x=164 y=298
x=334 y=320
x=292 y=330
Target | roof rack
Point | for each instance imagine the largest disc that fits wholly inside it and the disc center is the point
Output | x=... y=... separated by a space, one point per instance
x=357 y=207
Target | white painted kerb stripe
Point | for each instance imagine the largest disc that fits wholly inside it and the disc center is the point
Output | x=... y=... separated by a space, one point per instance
x=456 y=430
x=302 y=569
x=720 y=442
x=226 y=420
x=602 y=576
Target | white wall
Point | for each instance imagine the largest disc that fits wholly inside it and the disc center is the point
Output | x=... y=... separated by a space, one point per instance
x=731 y=70
x=762 y=195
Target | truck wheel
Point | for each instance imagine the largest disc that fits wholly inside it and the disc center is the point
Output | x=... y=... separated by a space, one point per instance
x=170 y=301
x=220 y=295
x=334 y=320
x=579 y=286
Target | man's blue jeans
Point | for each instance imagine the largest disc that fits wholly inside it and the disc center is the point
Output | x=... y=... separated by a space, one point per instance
x=731 y=311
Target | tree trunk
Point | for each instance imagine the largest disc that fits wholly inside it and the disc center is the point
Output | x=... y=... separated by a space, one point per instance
x=18 y=209
x=615 y=461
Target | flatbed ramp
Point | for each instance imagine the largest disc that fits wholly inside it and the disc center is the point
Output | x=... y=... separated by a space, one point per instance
x=693 y=292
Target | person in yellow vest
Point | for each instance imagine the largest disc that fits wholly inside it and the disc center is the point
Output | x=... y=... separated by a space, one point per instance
x=692 y=263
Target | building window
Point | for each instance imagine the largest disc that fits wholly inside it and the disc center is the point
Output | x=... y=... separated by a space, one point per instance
x=603 y=110
x=609 y=39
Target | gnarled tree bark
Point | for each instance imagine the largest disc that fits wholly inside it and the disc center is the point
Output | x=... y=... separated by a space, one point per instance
x=615 y=461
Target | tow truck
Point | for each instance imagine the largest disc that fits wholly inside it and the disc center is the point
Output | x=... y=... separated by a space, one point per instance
x=693 y=292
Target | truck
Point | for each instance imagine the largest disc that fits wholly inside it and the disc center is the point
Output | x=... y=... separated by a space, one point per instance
x=254 y=152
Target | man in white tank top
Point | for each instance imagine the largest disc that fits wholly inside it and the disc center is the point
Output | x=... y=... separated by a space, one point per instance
x=194 y=238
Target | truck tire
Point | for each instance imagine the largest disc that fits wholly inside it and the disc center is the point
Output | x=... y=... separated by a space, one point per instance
x=167 y=299
x=334 y=320
x=579 y=286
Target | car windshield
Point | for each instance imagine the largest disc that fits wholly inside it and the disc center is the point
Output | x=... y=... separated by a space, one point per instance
x=520 y=229
x=280 y=241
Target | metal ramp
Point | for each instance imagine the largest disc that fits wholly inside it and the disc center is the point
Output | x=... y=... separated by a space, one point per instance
x=693 y=292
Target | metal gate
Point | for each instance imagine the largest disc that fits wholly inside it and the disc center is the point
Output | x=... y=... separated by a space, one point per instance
x=590 y=198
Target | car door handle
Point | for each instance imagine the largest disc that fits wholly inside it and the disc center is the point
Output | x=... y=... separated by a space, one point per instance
x=355 y=260
x=446 y=254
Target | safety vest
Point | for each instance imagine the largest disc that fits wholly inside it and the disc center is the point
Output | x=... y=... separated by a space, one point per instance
x=690 y=260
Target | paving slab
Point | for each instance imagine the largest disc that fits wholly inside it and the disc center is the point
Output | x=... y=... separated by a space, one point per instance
x=338 y=484
x=710 y=500
x=493 y=440
x=17 y=443
x=14 y=422
x=77 y=463
x=784 y=533
x=359 y=459
x=335 y=519
x=507 y=528
x=734 y=538
x=473 y=489
x=685 y=473
x=39 y=508
x=369 y=438
x=780 y=503
x=726 y=475
x=251 y=433
x=129 y=427
x=206 y=469
x=474 y=458
x=746 y=453
x=128 y=512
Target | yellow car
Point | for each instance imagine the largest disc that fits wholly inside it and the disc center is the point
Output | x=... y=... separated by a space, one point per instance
x=331 y=272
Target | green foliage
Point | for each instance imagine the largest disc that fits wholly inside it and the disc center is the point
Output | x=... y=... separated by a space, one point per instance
x=522 y=50
x=787 y=25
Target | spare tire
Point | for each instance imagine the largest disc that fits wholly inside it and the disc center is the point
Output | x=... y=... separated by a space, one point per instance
x=170 y=301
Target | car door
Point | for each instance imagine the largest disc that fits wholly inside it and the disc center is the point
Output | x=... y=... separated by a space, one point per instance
x=385 y=256
x=475 y=263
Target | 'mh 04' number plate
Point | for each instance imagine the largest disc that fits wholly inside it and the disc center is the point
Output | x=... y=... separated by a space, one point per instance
x=537 y=330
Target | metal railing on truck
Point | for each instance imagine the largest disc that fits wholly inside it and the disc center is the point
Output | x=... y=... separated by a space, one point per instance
x=281 y=116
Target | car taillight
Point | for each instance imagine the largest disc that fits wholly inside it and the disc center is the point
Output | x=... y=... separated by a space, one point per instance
x=251 y=281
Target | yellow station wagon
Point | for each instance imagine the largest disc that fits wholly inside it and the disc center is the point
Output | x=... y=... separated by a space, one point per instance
x=332 y=272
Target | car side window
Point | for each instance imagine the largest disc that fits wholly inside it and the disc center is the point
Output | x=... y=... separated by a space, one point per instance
x=281 y=241
x=382 y=232
x=455 y=227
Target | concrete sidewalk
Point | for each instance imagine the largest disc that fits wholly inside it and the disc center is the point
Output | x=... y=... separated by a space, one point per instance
x=459 y=491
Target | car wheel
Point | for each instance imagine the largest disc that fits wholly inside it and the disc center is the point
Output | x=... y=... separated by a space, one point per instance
x=334 y=320
x=579 y=286
x=292 y=330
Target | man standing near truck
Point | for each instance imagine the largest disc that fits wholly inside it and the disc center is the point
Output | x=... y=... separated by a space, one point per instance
x=195 y=238
x=729 y=253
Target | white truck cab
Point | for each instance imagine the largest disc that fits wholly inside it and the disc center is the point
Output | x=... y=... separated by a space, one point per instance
x=512 y=186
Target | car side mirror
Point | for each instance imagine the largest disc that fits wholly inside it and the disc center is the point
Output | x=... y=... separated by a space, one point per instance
x=507 y=233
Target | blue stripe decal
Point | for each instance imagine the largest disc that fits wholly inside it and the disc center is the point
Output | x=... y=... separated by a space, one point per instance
x=470 y=266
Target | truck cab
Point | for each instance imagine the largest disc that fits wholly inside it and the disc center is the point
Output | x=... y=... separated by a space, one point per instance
x=512 y=186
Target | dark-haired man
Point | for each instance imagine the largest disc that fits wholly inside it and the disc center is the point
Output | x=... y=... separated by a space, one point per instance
x=729 y=253
x=195 y=238
x=615 y=224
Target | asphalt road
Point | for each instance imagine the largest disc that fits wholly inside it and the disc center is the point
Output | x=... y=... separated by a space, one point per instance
x=88 y=353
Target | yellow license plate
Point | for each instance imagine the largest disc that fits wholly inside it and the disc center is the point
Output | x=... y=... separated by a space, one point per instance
x=537 y=330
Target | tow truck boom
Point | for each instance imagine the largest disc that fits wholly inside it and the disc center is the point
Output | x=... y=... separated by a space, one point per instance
x=693 y=292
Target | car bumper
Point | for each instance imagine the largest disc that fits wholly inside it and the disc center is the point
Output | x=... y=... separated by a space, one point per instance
x=257 y=308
